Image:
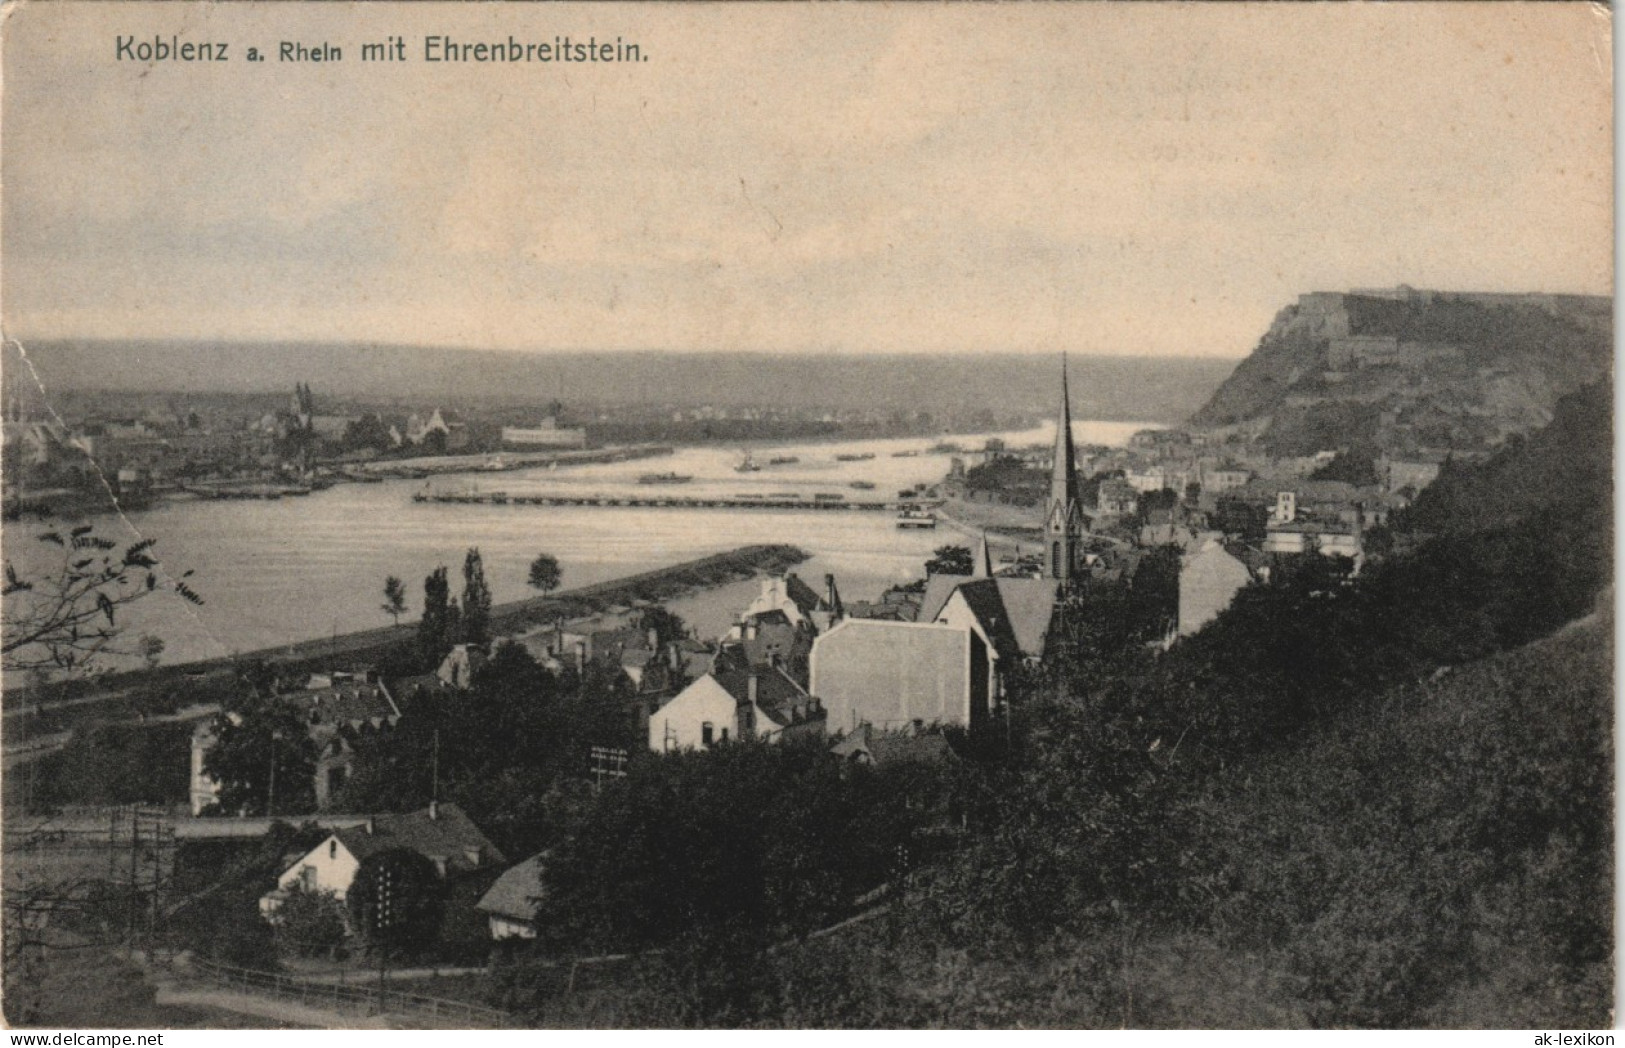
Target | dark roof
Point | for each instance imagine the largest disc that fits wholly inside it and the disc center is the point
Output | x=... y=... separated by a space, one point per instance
x=938 y=588
x=777 y=695
x=773 y=638
x=1030 y=605
x=805 y=597
x=449 y=835
x=516 y=892
x=1023 y=606
x=353 y=704
x=987 y=604
x=895 y=612
x=868 y=743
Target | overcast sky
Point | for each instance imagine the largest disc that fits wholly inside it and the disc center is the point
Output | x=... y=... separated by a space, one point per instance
x=1130 y=179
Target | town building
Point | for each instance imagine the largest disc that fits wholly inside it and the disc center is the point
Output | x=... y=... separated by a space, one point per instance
x=761 y=703
x=1063 y=516
x=547 y=434
x=869 y=745
x=1289 y=533
x=511 y=903
x=1209 y=580
x=441 y=833
x=336 y=715
x=897 y=674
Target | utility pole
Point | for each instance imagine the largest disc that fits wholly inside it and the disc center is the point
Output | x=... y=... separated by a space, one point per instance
x=270 y=793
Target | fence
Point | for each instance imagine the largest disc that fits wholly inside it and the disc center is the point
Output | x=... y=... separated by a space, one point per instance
x=351 y=998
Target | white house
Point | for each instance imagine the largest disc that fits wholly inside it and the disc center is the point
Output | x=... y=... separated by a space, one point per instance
x=897 y=674
x=511 y=903
x=1209 y=580
x=762 y=702
x=441 y=833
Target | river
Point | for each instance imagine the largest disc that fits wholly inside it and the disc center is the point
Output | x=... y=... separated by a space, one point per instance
x=302 y=568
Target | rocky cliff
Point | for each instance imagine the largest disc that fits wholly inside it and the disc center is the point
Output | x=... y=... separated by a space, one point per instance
x=1401 y=370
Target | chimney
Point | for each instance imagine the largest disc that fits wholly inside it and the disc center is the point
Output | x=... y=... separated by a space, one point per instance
x=750 y=688
x=581 y=656
x=654 y=639
x=372 y=826
x=434 y=810
x=675 y=656
x=829 y=590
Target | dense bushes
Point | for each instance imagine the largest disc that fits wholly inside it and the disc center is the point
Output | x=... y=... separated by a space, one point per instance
x=110 y=764
x=742 y=842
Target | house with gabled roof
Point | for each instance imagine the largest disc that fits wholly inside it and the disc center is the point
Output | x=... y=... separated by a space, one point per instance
x=1026 y=607
x=337 y=712
x=898 y=674
x=761 y=702
x=1209 y=580
x=511 y=903
x=441 y=833
x=869 y=745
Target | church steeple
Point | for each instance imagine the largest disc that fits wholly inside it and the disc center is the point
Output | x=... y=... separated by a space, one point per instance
x=1063 y=520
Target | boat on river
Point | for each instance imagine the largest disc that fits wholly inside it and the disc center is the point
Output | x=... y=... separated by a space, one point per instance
x=916 y=517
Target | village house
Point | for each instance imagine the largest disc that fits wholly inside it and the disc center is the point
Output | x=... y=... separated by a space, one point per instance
x=1116 y=498
x=1289 y=533
x=461 y=663
x=778 y=627
x=441 y=833
x=1013 y=615
x=1223 y=477
x=452 y=428
x=1209 y=580
x=761 y=703
x=896 y=674
x=511 y=903
x=547 y=434
x=337 y=712
x=870 y=746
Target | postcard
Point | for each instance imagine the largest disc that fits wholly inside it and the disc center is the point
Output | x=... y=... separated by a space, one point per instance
x=807 y=516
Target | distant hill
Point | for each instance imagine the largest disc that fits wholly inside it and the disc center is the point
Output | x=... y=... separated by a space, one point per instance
x=1103 y=387
x=1404 y=369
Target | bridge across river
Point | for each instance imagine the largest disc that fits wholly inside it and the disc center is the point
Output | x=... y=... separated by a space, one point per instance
x=796 y=502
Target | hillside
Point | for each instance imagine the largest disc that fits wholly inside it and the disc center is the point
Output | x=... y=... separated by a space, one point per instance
x=1402 y=370
x=1565 y=468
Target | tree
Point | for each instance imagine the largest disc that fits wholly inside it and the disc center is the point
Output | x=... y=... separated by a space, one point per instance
x=544 y=573
x=437 y=629
x=395 y=902
x=951 y=560
x=394 y=599
x=66 y=617
x=152 y=649
x=476 y=627
x=263 y=758
x=668 y=625
x=368 y=431
x=310 y=923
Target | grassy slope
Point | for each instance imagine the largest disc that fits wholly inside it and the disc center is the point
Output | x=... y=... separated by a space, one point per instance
x=1440 y=856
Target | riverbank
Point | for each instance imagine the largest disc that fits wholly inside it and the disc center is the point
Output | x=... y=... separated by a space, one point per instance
x=365 y=646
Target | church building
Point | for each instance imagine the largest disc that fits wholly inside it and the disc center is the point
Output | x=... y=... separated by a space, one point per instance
x=1063 y=519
